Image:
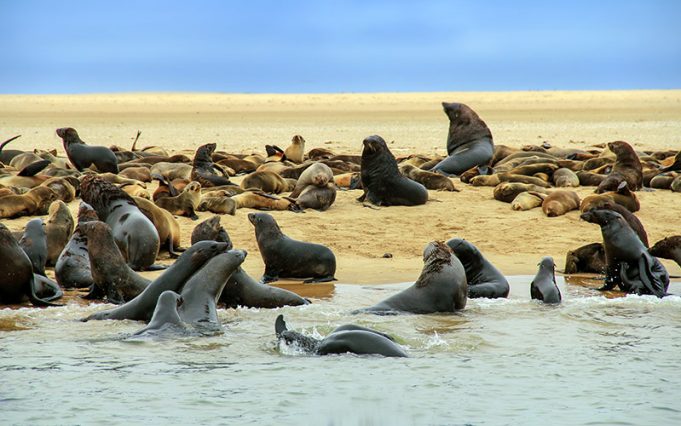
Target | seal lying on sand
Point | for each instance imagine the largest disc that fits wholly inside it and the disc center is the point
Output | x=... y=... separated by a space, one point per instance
x=441 y=287
x=82 y=156
x=469 y=142
x=344 y=339
x=543 y=286
x=288 y=258
x=484 y=280
x=668 y=248
x=382 y=181
x=628 y=263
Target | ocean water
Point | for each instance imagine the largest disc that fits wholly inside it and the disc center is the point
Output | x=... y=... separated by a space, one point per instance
x=591 y=360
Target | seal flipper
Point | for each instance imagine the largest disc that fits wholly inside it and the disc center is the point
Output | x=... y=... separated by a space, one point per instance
x=34 y=298
x=34 y=168
x=325 y=279
x=162 y=180
x=280 y=325
x=2 y=146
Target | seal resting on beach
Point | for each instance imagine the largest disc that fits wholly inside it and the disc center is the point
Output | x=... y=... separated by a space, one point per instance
x=382 y=181
x=82 y=156
x=469 y=141
x=668 y=248
x=285 y=257
x=348 y=338
x=484 y=280
x=589 y=258
x=441 y=287
x=627 y=169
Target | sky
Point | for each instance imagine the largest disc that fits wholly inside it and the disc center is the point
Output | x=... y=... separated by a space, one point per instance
x=341 y=46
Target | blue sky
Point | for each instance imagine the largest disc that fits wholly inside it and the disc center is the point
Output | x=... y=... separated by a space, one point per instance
x=346 y=46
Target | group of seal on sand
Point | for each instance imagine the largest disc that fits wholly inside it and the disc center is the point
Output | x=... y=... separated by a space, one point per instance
x=121 y=227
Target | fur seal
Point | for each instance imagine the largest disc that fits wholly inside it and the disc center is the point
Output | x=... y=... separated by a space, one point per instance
x=382 y=182
x=345 y=339
x=58 y=228
x=210 y=230
x=133 y=232
x=260 y=201
x=142 y=174
x=559 y=202
x=82 y=156
x=318 y=198
x=17 y=281
x=508 y=191
x=430 y=180
x=588 y=259
x=631 y=218
x=34 y=244
x=627 y=169
x=543 y=286
x=484 y=280
x=668 y=248
x=201 y=292
x=527 y=200
x=589 y=179
x=565 y=178
x=441 y=287
x=317 y=174
x=142 y=307
x=628 y=263
x=497 y=178
x=265 y=181
x=185 y=203
x=166 y=317
x=35 y=202
x=622 y=196
x=243 y=290
x=113 y=279
x=204 y=169
x=469 y=141
x=285 y=257
x=296 y=150
x=165 y=223
x=72 y=269
x=222 y=204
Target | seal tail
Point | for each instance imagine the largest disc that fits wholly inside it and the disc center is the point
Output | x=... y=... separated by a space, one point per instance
x=280 y=325
x=8 y=141
x=134 y=144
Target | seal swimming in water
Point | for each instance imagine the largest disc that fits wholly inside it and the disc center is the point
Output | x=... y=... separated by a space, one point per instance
x=285 y=257
x=17 y=281
x=344 y=339
x=484 y=280
x=441 y=287
x=469 y=141
x=166 y=317
x=133 y=232
x=382 y=181
x=543 y=287
x=72 y=269
x=629 y=265
x=141 y=307
x=82 y=156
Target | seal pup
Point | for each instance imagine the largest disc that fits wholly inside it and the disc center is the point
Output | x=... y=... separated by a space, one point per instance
x=623 y=196
x=382 y=182
x=296 y=150
x=133 y=232
x=285 y=257
x=166 y=317
x=564 y=178
x=112 y=277
x=629 y=265
x=141 y=307
x=543 y=287
x=72 y=269
x=185 y=203
x=527 y=200
x=202 y=291
x=34 y=202
x=469 y=141
x=484 y=280
x=559 y=202
x=345 y=339
x=165 y=223
x=430 y=180
x=82 y=156
x=441 y=287
x=265 y=181
x=627 y=169
x=317 y=174
x=58 y=228
x=668 y=248
x=34 y=244
x=210 y=230
x=17 y=280
x=589 y=258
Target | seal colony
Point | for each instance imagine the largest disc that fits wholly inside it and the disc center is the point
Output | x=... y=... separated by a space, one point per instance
x=119 y=234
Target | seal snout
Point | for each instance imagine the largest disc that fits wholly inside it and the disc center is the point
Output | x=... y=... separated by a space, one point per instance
x=252 y=218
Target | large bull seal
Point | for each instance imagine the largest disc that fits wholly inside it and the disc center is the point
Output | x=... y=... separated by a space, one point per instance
x=133 y=232
x=344 y=339
x=382 y=181
x=441 y=287
x=469 y=142
x=484 y=280
x=82 y=156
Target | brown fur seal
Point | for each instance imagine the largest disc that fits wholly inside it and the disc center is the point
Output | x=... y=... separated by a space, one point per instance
x=185 y=203
x=507 y=191
x=622 y=196
x=72 y=269
x=668 y=248
x=296 y=150
x=172 y=171
x=317 y=174
x=285 y=257
x=166 y=225
x=348 y=181
x=260 y=201
x=627 y=168
x=211 y=230
x=559 y=202
x=136 y=191
x=532 y=169
x=430 y=180
x=142 y=174
x=239 y=165
x=34 y=243
x=316 y=154
x=543 y=287
x=676 y=184
x=497 y=178
x=220 y=204
x=113 y=279
x=34 y=202
x=64 y=187
x=527 y=200
x=630 y=217
x=469 y=141
x=317 y=198
x=663 y=180
x=586 y=259
x=133 y=232
x=265 y=181
x=82 y=156
x=204 y=169
x=58 y=228
x=565 y=178
x=381 y=180
x=590 y=179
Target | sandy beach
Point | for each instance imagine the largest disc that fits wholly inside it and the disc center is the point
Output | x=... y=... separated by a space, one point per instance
x=414 y=123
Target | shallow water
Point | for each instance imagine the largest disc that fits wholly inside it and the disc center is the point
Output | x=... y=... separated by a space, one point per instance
x=591 y=360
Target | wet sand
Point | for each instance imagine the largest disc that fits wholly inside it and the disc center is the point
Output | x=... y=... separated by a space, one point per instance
x=414 y=122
